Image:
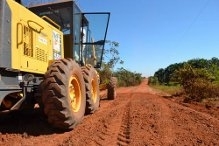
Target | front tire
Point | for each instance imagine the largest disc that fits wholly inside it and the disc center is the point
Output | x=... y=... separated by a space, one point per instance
x=111 y=88
x=63 y=94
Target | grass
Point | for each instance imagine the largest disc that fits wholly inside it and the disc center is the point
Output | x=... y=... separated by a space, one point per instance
x=172 y=89
x=177 y=89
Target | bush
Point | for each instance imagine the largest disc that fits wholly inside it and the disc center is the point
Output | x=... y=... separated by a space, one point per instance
x=197 y=84
x=153 y=81
x=199 y=89
x=127 y=78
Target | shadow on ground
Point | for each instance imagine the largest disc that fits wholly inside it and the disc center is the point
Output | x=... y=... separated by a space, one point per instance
x=32 y=122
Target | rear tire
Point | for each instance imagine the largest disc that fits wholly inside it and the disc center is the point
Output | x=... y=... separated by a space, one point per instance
x=63 y=94
x=111 y=88
x=91 y=79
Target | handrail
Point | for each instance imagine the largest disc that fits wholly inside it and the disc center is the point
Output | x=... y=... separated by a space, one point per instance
x=19 y=42
x=51 y=21
x=29 y=24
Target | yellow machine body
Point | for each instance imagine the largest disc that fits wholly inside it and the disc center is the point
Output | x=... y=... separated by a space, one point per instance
x=45 y=50
x=34 y=41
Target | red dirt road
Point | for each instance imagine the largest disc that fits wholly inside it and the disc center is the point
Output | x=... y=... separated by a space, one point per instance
x=138 y=116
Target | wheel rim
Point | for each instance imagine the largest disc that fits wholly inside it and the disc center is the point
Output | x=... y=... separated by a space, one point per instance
x=75 y=93
x=94 y=90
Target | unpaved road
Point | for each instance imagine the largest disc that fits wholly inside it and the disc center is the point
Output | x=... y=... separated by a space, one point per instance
x=138 y=116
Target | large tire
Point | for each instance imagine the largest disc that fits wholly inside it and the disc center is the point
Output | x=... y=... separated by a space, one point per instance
x=91 y=79
x=111 y=88
x=63 y=94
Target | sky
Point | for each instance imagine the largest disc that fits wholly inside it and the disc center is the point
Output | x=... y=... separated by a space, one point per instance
x=153 y=34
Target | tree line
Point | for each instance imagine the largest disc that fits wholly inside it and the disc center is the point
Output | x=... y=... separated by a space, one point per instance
x=199 y=78
x=168 y=74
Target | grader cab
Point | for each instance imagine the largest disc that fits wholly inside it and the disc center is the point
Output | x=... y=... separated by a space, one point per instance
x=48 y=55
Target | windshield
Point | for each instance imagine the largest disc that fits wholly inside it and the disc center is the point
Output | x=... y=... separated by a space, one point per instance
x=94 y=31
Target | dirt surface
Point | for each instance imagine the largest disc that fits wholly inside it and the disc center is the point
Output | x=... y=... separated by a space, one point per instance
x=138 y=116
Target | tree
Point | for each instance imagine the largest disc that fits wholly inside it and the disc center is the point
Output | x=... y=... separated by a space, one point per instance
x=160 y=75
x=111 y=55
x=110 y=59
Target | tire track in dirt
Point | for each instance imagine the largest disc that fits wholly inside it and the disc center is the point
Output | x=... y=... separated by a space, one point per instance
x=124 y=133
x=117 y=129
x=109 y=127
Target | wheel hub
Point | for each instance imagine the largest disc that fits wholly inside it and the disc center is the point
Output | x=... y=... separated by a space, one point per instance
x=75 y=93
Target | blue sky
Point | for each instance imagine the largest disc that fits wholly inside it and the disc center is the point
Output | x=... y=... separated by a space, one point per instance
x=156 y=33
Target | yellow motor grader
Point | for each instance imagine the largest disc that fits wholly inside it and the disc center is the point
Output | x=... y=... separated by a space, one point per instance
x=48 y=55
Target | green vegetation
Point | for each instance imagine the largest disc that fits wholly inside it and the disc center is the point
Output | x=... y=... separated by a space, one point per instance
x=127 y=78
x=111 y=58
x=171 y=89
x=198 y=78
